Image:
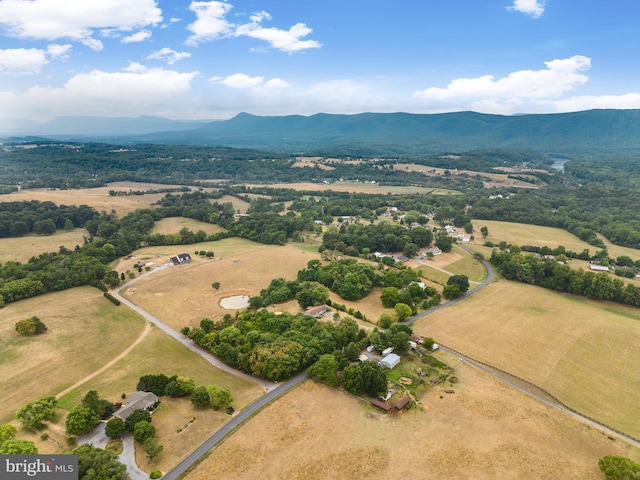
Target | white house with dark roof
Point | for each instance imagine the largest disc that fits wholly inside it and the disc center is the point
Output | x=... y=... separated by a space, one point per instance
x=180 y=259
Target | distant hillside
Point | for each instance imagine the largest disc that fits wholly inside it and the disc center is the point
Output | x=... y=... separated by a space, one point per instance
x=598 y=131
x=593 y=131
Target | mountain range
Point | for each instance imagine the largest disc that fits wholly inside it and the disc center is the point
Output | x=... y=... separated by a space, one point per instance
x=592 y=131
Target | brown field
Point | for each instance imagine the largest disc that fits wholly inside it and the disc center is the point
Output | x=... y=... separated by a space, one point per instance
x=84 y=331
x=97 y=198
x=489 y=179
x=583 y=352
x=359 y=188
x=522 y=234
x=238 y=204
x=171 y=225
x=486 y=430
x=21 y=249
x=242 y=267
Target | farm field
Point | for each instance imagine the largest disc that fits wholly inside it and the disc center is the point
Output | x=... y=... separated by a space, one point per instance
x=581 y=351
x=357 y=187
x=172 y=225
x=21 y=249
x=242 y=267
x=84 y=331
x=484 y=431
x=97 y=198
x=523 y=234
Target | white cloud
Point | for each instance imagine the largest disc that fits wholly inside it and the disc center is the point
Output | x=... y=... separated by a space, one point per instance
x=140 y=36
x=169 y=55
x=534 y=8
x=135 y=91
x=31 y=60
x=210 y=23
x=588 y=102
x=58 y=51
x=560 y=76
x=284 y=40
x=244 y=81
x=75 y=19
x=22 y=60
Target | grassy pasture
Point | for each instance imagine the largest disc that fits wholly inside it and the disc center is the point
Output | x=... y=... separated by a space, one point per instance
x=21 y=249
x=183 y=295
x=583 y=352
x=172 y=225
x=523 y=234
x=360 y=188
x=484 y=431
x=84 y=331
x=97 y=198
x=238 y=204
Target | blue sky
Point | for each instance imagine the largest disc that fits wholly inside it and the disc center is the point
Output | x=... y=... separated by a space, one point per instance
x=214 y=59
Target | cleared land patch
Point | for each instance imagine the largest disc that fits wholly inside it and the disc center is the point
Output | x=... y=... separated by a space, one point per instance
x=172 y=225
x=484 y=431
x=583 y=352
x=84 y=331
x=523 y=234
x=357 y=187
x=21 y=249
x=97 y=198
x=242 y=267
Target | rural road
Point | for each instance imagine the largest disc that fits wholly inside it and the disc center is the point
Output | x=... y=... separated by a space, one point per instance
x=267 y=385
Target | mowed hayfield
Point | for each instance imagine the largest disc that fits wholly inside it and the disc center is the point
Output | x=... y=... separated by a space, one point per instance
x=21 y=249
x=183 y=295
x=523 y=234
x=172 y=225
x=97 y=198
x=486 y=430
x=581 y=351
x=84 y=331
x=357 y=187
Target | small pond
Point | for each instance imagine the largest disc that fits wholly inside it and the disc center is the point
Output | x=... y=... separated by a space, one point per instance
x=236 y=302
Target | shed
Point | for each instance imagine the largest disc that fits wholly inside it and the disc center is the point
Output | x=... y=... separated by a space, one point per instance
x=390 y=361
x=387 y=351
x=317 y=311
x=381 y=405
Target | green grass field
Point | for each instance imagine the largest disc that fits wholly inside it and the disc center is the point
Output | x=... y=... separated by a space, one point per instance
x=172 y=225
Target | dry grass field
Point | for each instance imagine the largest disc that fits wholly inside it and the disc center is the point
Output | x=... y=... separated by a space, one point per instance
x=183 y=295
x=21 y=249
x=489 y=179
x=583 y=352
x=484 y=431
x=522 y=234
x=360 y=188
x=97 y=198
x=84 y=331
x=171 y=225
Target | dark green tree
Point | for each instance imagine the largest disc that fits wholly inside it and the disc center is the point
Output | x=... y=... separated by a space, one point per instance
x=81 y=420
x=143 y=431
x=97 y=464
x=152 y=448
x=114 y=428
x=325 y=370
x=18 y=447
x=34 y=413
x=200 y=397
x=461 y=280
x=135 y=417
x=365 y=377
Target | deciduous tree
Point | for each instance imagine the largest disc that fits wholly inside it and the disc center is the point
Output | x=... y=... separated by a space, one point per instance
x=325 y=369
x=81 y=420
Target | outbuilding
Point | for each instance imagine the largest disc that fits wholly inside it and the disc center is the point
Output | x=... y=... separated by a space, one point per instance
x=390 y=361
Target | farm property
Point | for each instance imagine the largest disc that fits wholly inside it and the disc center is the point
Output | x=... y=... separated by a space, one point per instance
x=581 y=351
x=484 y=431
